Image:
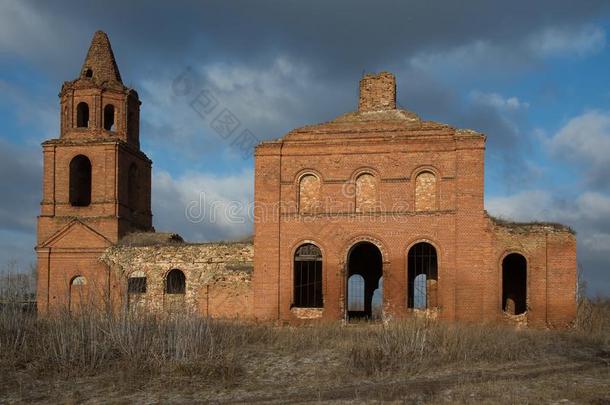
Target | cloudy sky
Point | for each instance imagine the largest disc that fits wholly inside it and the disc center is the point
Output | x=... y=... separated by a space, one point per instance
x=533 y=76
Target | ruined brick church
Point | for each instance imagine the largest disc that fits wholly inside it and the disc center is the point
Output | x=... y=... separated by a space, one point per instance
x=375 y=214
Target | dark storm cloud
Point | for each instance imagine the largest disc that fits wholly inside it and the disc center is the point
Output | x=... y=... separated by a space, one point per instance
x=339 y=38
x=20 y=184
x=336 y=41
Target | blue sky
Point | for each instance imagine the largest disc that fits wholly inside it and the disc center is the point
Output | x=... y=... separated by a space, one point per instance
x=532 y=77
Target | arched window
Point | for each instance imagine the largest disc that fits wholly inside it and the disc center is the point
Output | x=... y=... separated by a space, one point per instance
x=79 y=280
x=425 y=191
x=422 y=276
x=88 y=73
x=82 y=115
x=355 y=292
x=132 y=187
x=308 y=277
x=309 y=193
x=366 y=192
x=514 y=284
x=80 y=181
x=175 y=282
x=109 y=117
x=136 y=283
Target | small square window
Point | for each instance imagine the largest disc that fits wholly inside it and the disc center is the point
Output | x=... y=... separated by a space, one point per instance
x=136 y=285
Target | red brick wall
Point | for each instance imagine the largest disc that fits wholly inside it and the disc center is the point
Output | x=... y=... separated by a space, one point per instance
x=395 y=147
x=67 y=248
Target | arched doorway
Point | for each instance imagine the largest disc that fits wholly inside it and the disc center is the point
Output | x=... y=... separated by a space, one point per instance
x=79 y=297
x=364 y=272
x=514 y=284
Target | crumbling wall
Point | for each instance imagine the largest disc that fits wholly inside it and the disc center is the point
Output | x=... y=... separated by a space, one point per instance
x=218 y=277
x=550 y=253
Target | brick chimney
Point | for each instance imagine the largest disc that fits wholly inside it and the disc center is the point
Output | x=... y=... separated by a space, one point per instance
x=377 y=92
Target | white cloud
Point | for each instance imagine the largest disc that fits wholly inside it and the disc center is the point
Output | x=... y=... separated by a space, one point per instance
x=267 y=100
x=499 y=56
x=464 y=58
x=585 y=138
x=525 y=206
x=580 y=41
x=590 y=209
x=498 y=101
x=201 y=206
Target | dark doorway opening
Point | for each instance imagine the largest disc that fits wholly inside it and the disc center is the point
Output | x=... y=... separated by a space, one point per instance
x=514 y=284
x=365 y=269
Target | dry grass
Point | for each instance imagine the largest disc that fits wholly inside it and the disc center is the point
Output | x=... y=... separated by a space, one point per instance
x=225 y=354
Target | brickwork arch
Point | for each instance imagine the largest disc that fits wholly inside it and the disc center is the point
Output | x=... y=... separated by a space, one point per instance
x=365 y=238
x=309 y=192
x=366 y=192
x=425 y=191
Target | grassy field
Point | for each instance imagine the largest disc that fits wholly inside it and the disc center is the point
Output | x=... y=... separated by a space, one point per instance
x=103 y=358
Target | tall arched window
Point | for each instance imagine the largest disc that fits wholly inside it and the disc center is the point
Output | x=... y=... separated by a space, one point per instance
x=308 y=277
x=366 y=192
x=514 y=284
x=425 y=191
x=82 y=115
x=175 y=282
x=109 y=117
x=132 y=187
x=422 y=276
x=309 y=193
x=80 y=181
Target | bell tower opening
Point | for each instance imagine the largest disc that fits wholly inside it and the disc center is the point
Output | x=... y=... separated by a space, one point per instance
x=80 y=181
x=82 y=115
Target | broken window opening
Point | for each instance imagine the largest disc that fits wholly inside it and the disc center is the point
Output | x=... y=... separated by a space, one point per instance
x=109 y=117
x=308 y=277
x=422 y=276
x=82 y=115
x=136 y=285
x=175 y=282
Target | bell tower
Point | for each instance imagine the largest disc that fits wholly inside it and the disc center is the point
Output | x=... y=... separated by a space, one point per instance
x=96 y=180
